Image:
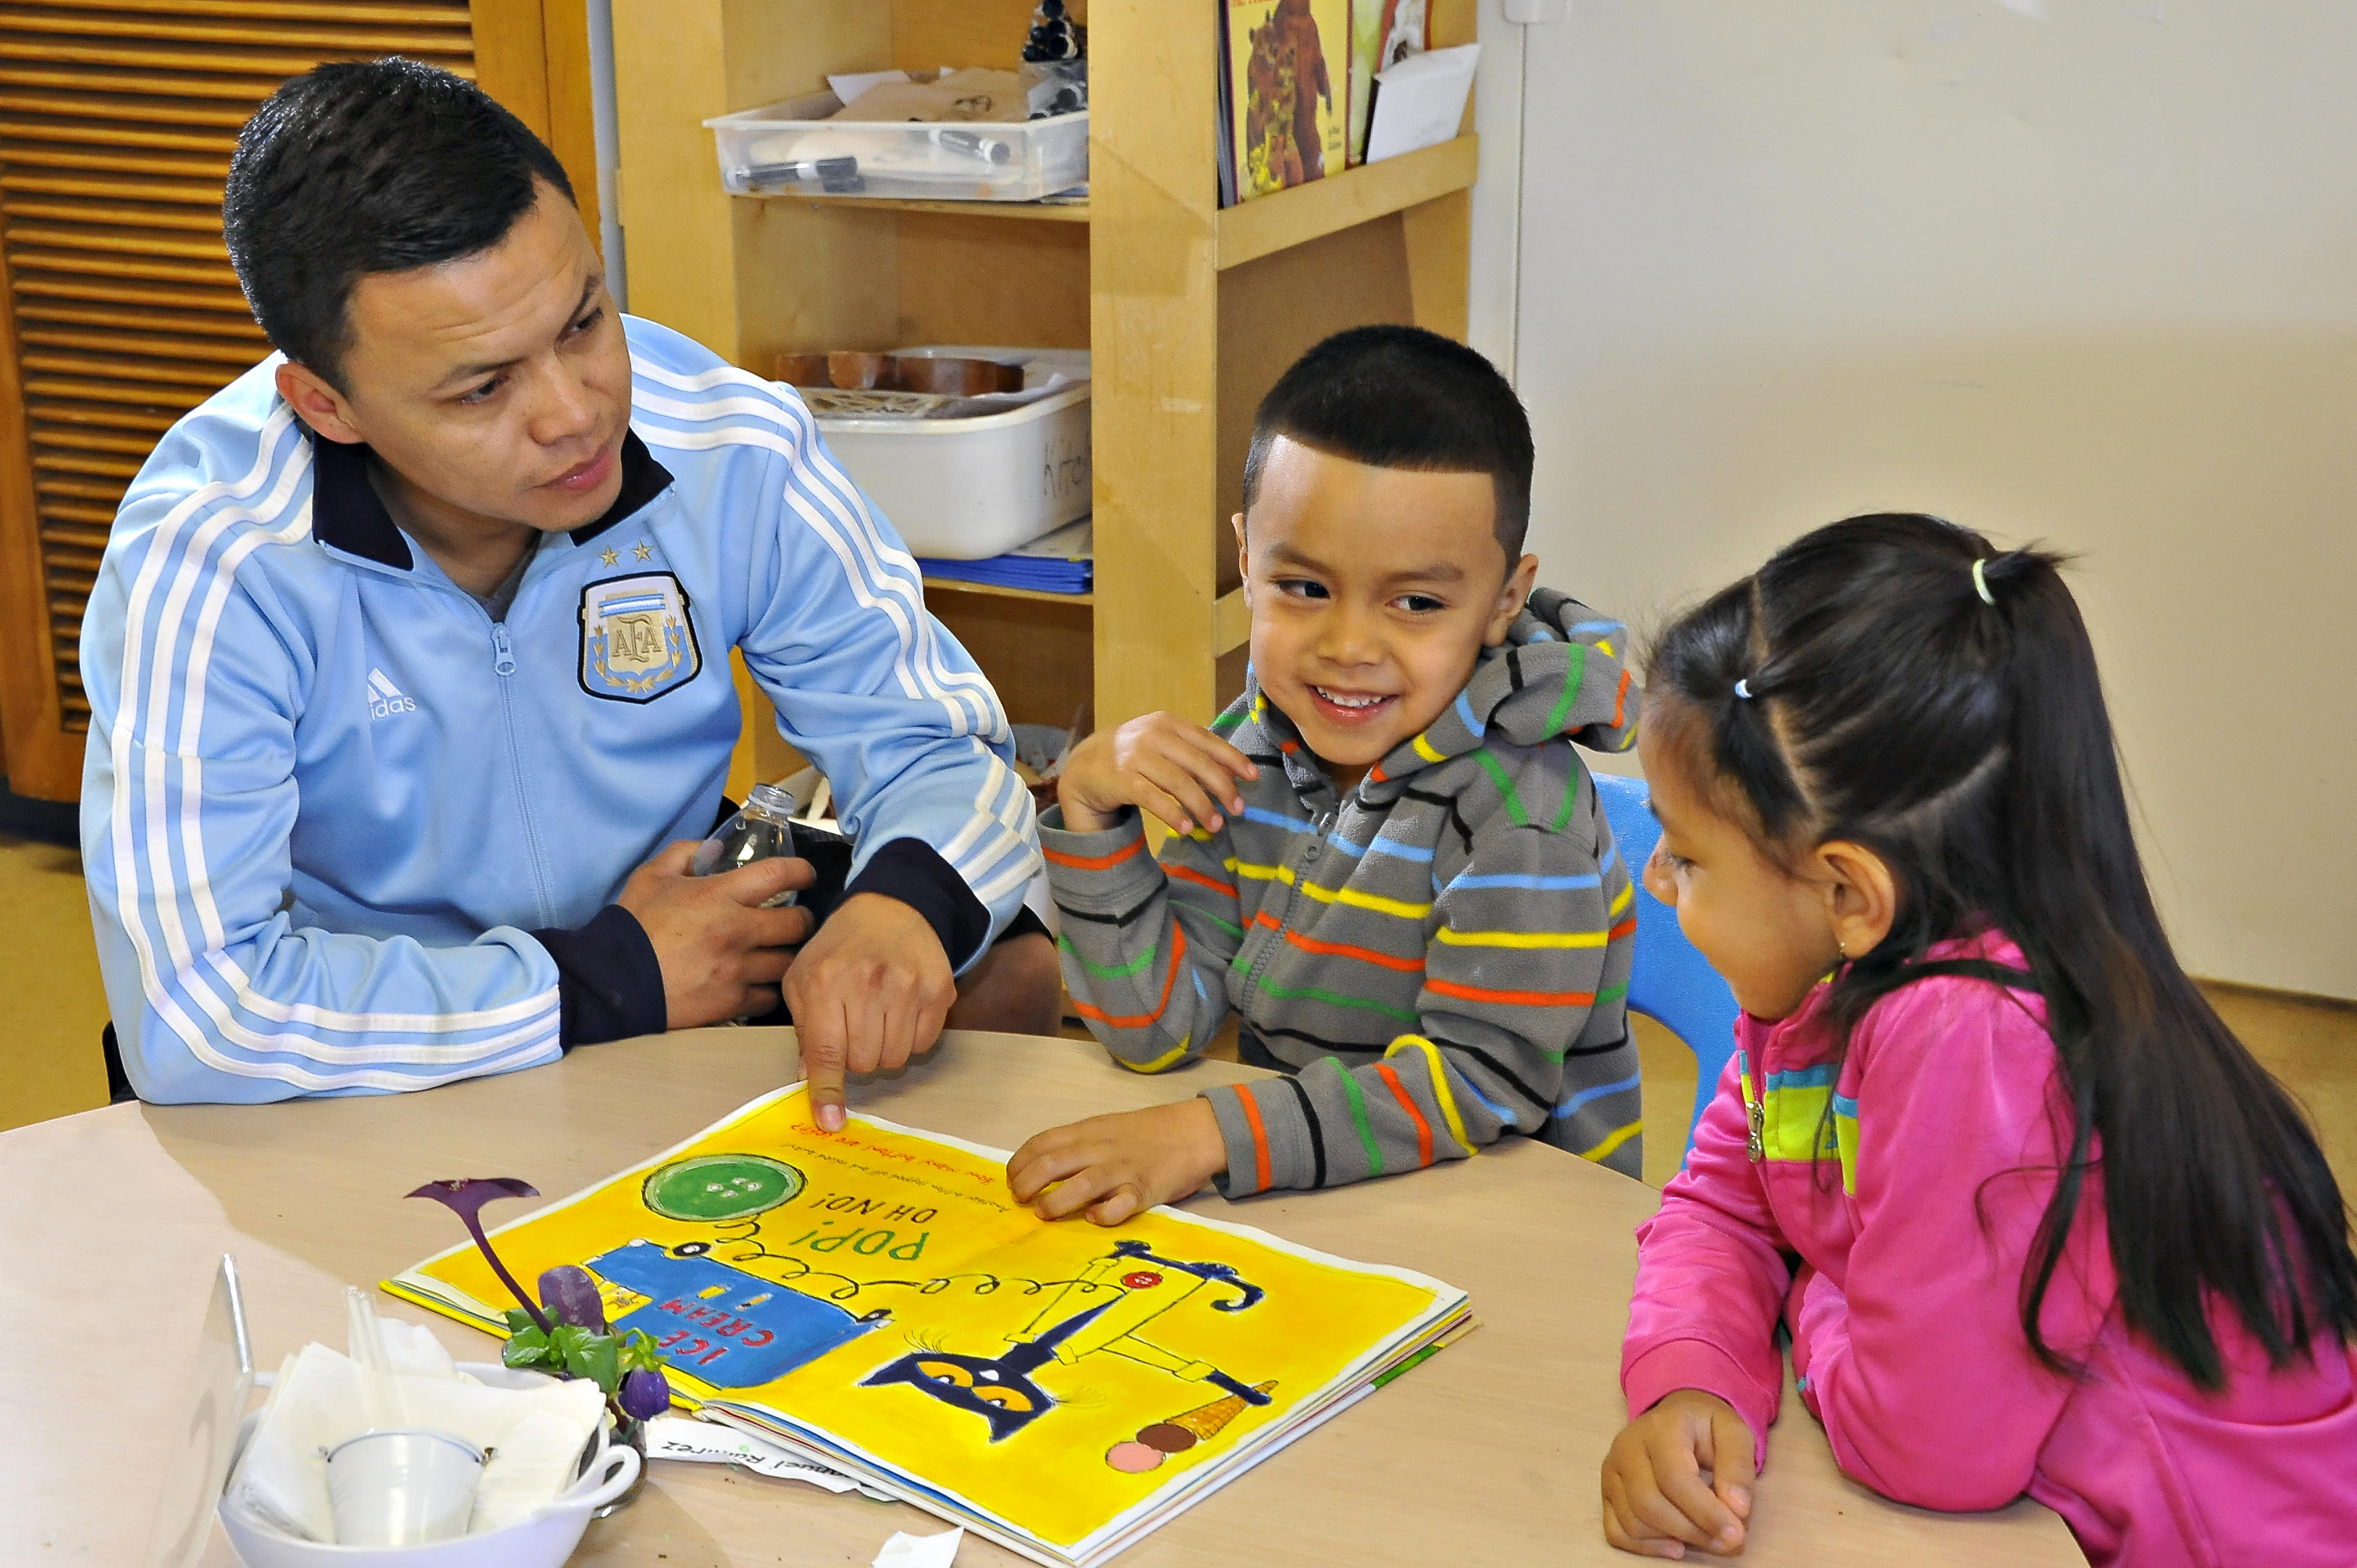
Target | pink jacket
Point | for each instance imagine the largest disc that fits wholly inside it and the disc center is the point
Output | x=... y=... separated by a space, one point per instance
x=1904 y=1306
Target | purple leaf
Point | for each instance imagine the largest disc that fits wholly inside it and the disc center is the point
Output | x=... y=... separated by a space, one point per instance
x=567 y=1291
x=465 y=1198
x=644 y=1395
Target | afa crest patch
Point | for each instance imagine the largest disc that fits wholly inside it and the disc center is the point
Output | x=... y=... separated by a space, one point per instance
x=636 y=641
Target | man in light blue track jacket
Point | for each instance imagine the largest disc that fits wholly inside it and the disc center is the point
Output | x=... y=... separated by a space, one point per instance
x=410 y=656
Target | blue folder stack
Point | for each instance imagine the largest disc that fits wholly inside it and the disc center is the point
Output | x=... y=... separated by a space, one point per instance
x=1062 y=563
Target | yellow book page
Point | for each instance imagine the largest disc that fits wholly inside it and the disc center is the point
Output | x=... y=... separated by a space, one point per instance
x=881 y=1285
x=1289 y=66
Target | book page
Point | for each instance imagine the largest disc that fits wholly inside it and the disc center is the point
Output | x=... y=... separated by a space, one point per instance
x=880 y=1289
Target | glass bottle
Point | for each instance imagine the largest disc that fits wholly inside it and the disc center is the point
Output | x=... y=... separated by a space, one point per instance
x=762 y=830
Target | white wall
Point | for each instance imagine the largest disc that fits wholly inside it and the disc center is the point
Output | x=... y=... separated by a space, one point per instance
x=2082 y=270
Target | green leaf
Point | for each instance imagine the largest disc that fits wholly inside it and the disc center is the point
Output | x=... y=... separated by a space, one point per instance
x=520 y=1322
x=585 y=1355
x=529 y=1348
x=639 y=1353
x=598 y=1360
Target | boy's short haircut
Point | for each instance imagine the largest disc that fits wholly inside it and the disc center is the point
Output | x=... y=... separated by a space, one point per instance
x=369 y=167
x=1401 y=397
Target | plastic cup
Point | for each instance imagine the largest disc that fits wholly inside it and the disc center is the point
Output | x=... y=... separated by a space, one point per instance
x=402 y=1486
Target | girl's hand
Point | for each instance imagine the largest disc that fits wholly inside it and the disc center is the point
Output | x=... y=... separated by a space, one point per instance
x=1119 y=1167
x=1655 y=1500
x=1181 y=772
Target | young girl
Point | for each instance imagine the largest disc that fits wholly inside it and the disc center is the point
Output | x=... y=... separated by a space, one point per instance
x=2034 y=1220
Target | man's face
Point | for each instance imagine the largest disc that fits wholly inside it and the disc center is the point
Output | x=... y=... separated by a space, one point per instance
x=495 y=388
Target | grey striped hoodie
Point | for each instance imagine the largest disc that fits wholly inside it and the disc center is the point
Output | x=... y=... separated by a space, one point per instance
x=1435 y=958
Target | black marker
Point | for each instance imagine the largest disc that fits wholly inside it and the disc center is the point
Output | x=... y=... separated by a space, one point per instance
x=826 y=171
x=989 y=149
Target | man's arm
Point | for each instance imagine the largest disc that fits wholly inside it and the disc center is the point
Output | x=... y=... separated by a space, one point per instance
x=912 y=738
x=219 y=991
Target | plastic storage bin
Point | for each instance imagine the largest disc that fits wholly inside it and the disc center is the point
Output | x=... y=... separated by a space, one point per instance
x=791 y=148
x=964 y=488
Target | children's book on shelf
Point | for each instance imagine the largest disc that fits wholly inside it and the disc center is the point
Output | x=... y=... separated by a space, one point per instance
x=1288 y=91
x=1227 y=121
x=876 y=1301
x=1382 y=34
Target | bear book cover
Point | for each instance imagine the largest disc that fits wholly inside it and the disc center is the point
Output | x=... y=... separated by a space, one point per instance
x=1288 y=91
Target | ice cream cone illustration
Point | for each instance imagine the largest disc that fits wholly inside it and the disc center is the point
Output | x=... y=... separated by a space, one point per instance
x=1156 y=1443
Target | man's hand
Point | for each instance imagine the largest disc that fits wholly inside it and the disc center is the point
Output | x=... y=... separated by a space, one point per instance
x=1118 y=1166
x=1181 y=772
x=721 y=953
x=1656 y=1502
x=869 y=992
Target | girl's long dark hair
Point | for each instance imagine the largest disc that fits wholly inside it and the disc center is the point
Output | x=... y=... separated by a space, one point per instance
x=1966 y=742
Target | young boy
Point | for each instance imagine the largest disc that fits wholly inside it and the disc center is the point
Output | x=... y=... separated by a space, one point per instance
x=1386 y=857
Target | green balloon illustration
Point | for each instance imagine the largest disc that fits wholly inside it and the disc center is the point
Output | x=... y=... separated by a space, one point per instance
x=721 y=1186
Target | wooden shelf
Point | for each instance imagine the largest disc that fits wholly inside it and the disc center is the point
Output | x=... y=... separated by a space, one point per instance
x=1190 y=313
x=953 y=586
x=1268 y=224
x=1037 y=211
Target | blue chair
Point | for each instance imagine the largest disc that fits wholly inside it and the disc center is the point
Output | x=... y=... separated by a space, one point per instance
x=1670 y=984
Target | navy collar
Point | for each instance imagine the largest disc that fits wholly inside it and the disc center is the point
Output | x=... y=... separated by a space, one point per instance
x=347 y=514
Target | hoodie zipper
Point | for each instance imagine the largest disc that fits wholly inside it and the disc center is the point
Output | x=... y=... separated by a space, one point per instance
x=1308 y=856
x=1755 y=1111
x=503 y=665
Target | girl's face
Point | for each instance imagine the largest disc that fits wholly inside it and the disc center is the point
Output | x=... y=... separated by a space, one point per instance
x=1766 y=931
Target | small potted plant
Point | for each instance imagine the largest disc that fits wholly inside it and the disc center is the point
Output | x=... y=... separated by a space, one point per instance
x=564 y=1334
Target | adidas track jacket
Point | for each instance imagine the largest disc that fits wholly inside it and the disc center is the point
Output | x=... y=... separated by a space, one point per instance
x=344 y=835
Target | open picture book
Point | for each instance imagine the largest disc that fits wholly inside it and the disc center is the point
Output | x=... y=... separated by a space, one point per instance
x=875 y=1300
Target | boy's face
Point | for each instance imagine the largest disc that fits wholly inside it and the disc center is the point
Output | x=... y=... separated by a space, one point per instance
x=1372 y=592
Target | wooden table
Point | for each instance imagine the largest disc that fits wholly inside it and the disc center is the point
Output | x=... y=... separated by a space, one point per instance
x=110 y=1223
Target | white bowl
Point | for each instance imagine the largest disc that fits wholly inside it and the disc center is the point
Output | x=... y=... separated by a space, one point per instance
x=544 y=1539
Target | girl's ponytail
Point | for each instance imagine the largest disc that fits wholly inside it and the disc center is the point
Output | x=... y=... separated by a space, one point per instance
x=2212 y=1179
x=1918 y=693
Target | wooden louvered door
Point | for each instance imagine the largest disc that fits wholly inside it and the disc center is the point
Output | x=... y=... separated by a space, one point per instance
x=118 y=310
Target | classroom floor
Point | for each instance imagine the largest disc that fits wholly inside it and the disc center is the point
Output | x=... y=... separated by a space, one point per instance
x=49 y=1062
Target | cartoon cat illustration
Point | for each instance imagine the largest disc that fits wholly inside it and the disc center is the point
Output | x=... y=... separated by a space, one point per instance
x=996 y=1387
x=1000 y=1388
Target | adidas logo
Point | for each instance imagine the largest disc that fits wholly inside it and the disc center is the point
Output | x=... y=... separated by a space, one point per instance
x=385 y=699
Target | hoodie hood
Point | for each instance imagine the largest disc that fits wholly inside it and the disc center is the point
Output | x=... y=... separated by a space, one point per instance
x=1559 y=673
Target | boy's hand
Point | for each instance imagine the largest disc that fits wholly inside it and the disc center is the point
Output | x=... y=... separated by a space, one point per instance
x=1655 y=1500
x=1119 y=1167
x=1181 y=772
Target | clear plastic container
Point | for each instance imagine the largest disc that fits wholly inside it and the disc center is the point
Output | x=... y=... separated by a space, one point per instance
x=966 y=488
x=762 y=831
x=792 y=149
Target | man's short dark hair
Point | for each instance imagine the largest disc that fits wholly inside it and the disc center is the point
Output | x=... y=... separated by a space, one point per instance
x=1399 y=397
x=369 y=167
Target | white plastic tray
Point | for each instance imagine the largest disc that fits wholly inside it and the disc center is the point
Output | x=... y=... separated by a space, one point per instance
x=964 y=488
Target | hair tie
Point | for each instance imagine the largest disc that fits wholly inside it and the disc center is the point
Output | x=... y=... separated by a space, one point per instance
x=1743 y=688
x=1980 y=581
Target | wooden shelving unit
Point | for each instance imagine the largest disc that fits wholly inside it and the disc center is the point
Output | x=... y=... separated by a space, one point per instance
x=1190 y=312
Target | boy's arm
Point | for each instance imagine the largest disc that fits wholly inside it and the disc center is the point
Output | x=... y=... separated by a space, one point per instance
x=1146 y=945
x=1711 y=1278
x=1533 y=928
